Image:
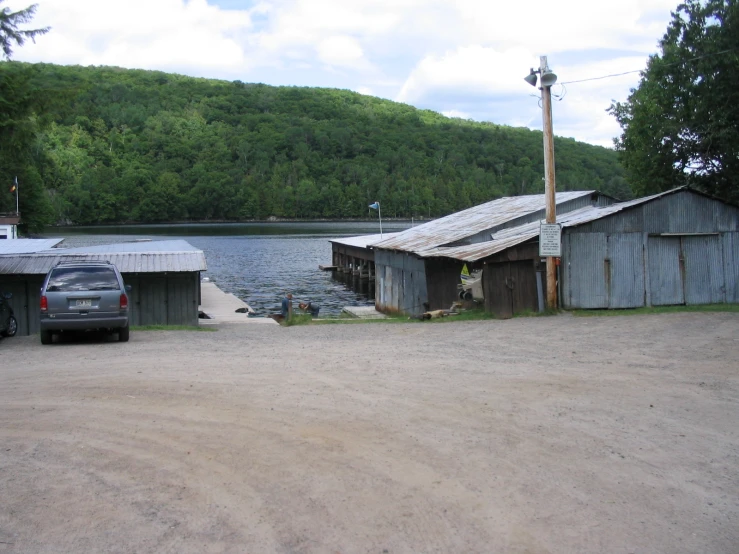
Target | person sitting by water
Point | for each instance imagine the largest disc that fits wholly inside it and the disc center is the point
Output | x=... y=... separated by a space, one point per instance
x=287 y=304
x=309 y=307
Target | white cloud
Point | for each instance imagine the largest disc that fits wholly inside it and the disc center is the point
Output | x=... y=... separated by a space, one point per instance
x=472 y=69
x=340 y=50
x=151 y=34
x=465 y=57
x=549 y=27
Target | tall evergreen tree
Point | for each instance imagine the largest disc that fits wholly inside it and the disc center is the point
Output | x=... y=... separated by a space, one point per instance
x=10 y=34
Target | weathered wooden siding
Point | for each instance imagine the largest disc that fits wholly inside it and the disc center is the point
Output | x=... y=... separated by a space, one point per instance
x=509 y=280
x=26 y=291
x=164 y=298
x=510 y=287
x=400 y=284
x=442 y=278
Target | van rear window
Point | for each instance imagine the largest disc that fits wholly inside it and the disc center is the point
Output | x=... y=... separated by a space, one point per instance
x=74 y=279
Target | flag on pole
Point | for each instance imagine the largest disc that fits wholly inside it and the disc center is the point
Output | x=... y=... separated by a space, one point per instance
x=375 y=206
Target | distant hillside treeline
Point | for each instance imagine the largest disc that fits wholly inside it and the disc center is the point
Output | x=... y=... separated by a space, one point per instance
x=131 y=145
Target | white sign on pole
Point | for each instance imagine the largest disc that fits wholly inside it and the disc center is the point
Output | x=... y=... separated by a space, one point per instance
x=550 y=240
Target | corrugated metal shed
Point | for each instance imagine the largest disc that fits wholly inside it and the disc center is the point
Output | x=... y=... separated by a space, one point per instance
x=510 y=237
x=26 y=246
x=131 y=257
x=460 y=225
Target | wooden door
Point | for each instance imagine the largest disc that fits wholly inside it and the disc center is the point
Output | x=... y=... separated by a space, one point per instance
x=510 y=288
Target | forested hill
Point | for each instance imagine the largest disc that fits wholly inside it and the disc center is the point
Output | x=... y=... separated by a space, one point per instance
x=132 y=145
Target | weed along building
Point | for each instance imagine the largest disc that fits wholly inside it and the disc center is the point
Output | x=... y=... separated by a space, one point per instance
x=678 y=247
x=419 y=269
x=164 y=276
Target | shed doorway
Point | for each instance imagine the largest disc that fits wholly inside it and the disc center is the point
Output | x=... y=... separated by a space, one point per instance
x=686 y=269
x=510 y=288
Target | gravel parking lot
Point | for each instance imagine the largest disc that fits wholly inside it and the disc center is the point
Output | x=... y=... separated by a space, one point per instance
x=533 y=435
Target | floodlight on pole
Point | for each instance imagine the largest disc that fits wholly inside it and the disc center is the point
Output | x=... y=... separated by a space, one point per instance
x=376 y=206
x=547 y=78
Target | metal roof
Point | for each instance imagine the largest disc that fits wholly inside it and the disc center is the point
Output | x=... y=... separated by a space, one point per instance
x=175 y=245
x=511 y=237
x=460 y=225
x=26 y=246
x=363 y=241
x=130 y=257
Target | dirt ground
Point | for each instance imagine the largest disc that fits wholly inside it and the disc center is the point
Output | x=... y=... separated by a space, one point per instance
x=533 y=435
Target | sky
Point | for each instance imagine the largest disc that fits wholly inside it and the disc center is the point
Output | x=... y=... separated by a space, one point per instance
x=462 y=58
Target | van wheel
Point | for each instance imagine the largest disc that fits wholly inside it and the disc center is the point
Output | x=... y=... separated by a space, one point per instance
x=12 y=328
x=124 y=333
x=46 y=337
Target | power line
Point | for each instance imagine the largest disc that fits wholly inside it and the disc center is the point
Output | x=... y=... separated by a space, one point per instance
x=602 y=77
x=640 y=70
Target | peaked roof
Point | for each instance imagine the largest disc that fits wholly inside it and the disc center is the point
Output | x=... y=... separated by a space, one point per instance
x=26 y=246
x=362 y=241
x=129 y=257
x=460 y=225
x=506 y=238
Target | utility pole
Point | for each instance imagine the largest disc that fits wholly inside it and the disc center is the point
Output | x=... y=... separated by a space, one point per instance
x=549 y=182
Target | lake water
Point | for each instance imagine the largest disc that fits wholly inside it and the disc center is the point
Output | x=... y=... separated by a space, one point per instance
x=256 y=262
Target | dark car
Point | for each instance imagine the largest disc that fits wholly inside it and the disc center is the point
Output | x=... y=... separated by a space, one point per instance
x=8 y=323
x=84 y=296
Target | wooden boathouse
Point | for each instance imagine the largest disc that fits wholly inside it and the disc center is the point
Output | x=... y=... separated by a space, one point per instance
x=353 y=256
x=679 y=247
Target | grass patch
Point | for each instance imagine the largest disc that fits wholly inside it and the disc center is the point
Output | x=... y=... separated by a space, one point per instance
x=659 y=310
x=344 y=319
x=208 y=329
x=465 y=315
x=298 y=319
x=532 y=313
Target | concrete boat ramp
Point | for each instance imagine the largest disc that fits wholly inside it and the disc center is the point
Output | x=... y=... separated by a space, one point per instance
x=364 y=312
x=220 y=307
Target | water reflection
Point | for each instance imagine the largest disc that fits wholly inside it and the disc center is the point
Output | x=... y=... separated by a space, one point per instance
x=258 y=262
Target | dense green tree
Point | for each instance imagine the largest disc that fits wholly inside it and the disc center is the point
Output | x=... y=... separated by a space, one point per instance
x=681 y=124
x=131 y=145
x=23 y=103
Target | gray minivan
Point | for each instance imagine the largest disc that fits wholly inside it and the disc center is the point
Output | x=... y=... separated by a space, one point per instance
x=85 y=295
